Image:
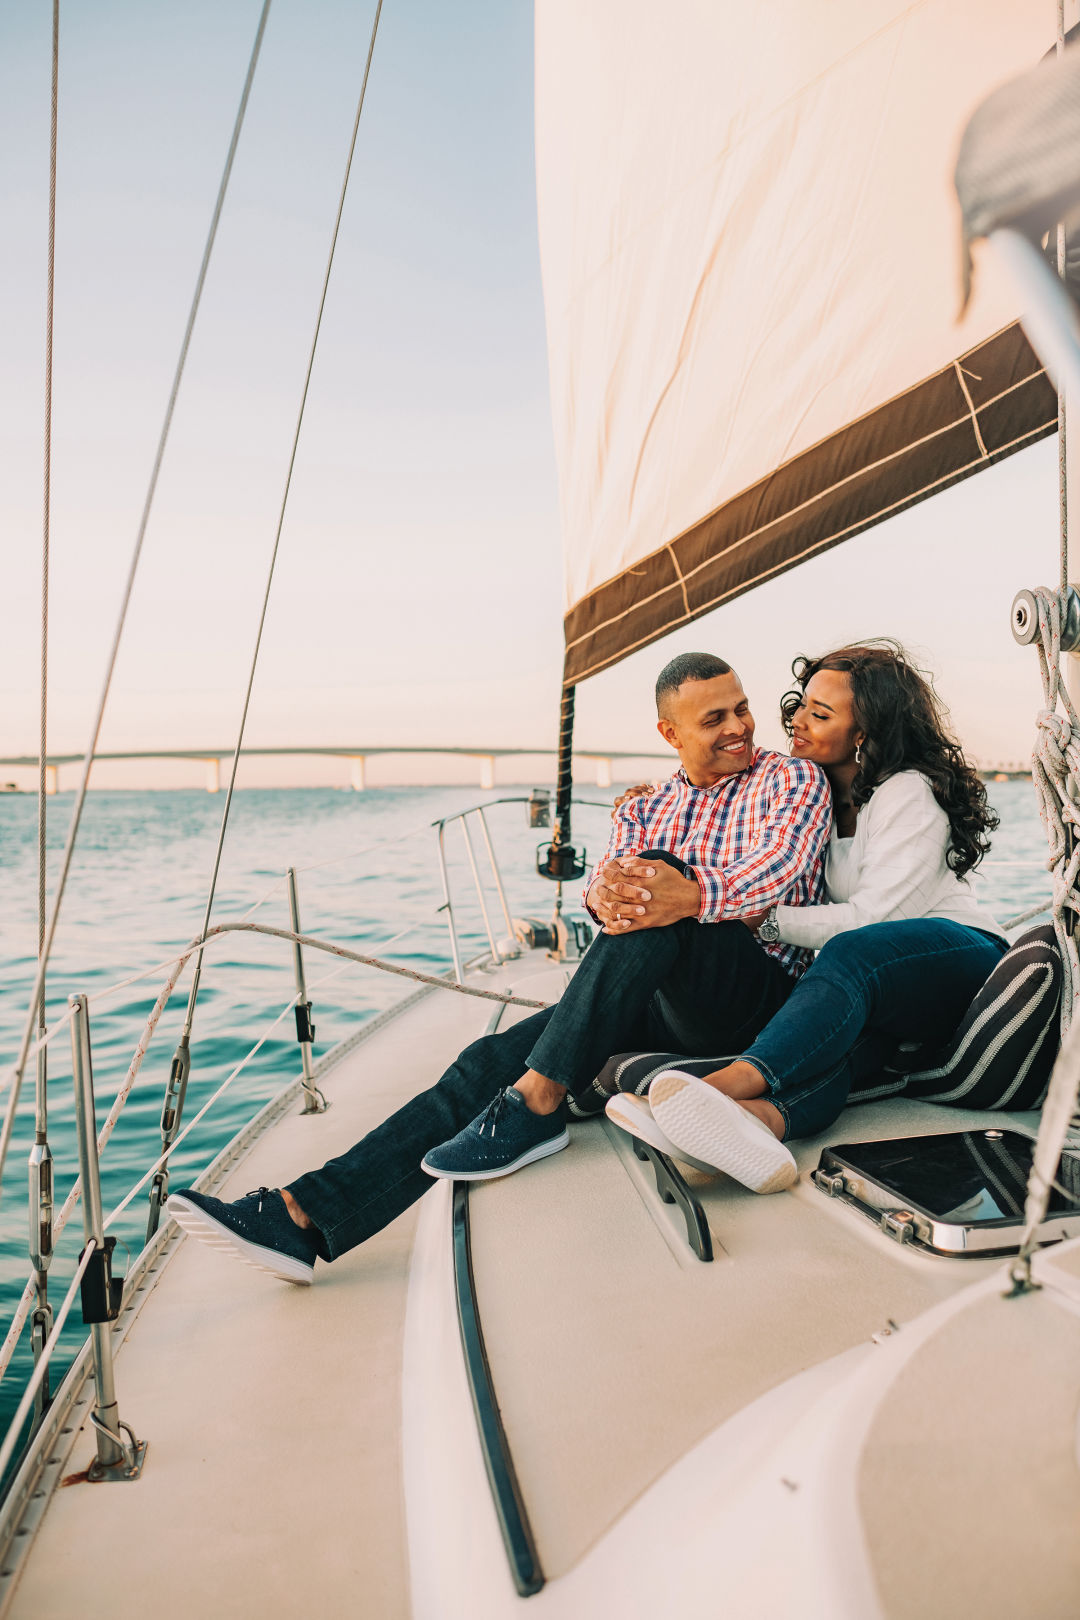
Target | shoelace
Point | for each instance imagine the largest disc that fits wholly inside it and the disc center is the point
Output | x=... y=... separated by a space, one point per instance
x=492 y=1112
x=260 y=1193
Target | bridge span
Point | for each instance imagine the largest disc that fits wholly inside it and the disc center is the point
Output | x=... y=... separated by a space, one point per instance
x=601 y=759
x=212 y=758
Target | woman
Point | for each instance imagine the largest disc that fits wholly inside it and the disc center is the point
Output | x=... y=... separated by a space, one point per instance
x=902 y=943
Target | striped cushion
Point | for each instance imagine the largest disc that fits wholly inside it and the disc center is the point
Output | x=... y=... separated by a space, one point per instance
x=633 y=1071
x=1002 y=1054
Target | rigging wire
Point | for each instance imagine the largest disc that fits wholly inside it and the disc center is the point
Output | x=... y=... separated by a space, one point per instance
x=197 y=974
x=18 y=1321
x=23 y=1409
x=50 y=289
x=40 y=1163
x=95 y=732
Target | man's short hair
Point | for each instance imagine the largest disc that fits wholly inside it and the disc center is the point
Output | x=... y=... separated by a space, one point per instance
x=687 y=667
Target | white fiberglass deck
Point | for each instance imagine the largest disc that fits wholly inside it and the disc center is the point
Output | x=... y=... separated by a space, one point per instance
x=274 y=1481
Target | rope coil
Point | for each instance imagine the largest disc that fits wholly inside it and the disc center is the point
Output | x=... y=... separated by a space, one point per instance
x=1055 y=771
x=1055 y=774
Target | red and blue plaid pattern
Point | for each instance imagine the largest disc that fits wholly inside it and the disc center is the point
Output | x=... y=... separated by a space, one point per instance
x=754 y=840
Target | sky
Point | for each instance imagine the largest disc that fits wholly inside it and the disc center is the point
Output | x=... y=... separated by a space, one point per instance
x=418 y=597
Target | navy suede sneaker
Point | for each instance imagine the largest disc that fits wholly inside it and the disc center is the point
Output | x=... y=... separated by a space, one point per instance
x=257 y=1229
x=504 y=1137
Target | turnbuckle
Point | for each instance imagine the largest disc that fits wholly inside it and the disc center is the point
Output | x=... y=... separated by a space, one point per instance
x=172 y=1109
x=41 y=1206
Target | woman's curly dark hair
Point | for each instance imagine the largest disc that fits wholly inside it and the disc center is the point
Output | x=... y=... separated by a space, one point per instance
x=904 y=726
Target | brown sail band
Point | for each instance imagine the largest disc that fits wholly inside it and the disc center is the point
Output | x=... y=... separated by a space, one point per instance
x=988 y=403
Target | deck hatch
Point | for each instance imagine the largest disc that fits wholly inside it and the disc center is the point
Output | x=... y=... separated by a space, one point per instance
x=958 y=1193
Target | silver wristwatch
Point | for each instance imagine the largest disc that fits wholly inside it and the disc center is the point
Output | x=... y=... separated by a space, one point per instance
x=769 y=929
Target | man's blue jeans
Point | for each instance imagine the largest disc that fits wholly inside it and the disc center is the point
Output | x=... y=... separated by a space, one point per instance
x=692 y=987
x=866 y=990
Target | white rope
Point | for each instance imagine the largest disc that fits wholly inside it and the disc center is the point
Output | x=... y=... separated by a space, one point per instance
x=99 y=996
x=7 y=1349
x=1054 y=1126
x=1026 y=916
x=103 y=697
x=1055 y=770
x=199 y=942
x=163 y=1158
x=1055 y=761
x=22 y=1310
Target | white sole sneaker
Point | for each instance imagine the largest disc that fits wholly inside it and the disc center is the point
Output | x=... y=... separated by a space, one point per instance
x=633 y=1115
x=198 y=1224
x=556 y=1145
x=703 y=1121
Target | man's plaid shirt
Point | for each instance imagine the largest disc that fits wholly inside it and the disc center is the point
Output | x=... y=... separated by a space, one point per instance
x=755 y=839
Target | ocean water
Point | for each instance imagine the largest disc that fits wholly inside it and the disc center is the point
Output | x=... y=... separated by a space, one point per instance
x=367 y=870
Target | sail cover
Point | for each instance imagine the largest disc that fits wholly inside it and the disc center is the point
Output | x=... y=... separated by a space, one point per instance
x=751 y=256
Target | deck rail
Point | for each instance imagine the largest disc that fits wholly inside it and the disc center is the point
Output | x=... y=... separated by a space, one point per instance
x=489 y=891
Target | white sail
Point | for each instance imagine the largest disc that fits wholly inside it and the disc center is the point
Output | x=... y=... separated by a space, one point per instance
x=751 y=255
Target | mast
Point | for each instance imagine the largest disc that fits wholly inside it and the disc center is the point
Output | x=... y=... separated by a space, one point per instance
x=559 y=860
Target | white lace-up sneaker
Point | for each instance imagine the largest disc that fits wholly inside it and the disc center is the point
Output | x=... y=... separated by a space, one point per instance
x=634 y=1115
x=703 y=1121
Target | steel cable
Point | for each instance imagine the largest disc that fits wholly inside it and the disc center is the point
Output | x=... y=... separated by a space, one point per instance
x=43 y=739
x=22 y=1411
x=22 y=1309
x=95 y=732
x=197 y=974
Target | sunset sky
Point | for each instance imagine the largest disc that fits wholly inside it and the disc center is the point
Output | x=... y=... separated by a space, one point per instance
x=418 y=597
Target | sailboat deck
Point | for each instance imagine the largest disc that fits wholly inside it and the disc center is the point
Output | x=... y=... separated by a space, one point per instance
x=977 y=1435
x=273 y=1413
x=615 y=1350
x=274 y=1476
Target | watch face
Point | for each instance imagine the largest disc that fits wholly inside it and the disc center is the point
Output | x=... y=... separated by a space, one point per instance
x=769 y=931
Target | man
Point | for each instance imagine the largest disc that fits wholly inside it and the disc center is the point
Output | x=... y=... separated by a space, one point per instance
x=736 y=830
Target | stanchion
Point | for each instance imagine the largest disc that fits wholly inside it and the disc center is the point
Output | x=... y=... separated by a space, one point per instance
x=117 y=1458
x=314 y=1101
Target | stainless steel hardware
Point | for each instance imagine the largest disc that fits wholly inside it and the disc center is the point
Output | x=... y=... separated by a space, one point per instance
x=119 y=1454
x=898 y=1224
x=314 y=1101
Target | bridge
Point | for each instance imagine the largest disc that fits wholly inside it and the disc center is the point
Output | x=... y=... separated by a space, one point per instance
x=357 y=755
x=602 y=759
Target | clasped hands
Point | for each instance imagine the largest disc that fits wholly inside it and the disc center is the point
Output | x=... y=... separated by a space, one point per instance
x=629 y=894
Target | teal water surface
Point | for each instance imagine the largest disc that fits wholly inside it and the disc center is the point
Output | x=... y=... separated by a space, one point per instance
x=136 y=896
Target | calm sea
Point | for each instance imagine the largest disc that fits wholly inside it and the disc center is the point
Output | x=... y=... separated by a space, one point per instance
x=367 y=872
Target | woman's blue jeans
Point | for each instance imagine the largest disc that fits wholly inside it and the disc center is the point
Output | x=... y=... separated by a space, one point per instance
x=866 y=990
x=691 y=987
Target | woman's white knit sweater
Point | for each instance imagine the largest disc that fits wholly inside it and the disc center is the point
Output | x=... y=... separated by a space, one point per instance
x=892 y=869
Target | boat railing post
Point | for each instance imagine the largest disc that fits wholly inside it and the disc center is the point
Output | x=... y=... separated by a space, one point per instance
x=117 y=1458
x=314 y=1102
x=447 y=905
x=495 y=956
x=513 y=950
